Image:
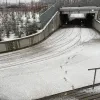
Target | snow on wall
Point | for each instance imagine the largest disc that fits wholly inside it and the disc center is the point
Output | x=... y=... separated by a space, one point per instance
x=51 y=26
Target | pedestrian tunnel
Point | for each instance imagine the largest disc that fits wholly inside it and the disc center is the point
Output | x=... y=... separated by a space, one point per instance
x=77 y=19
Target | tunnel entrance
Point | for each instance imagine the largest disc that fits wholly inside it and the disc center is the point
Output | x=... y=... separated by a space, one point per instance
x=89 y=19
x=64 y=18
x=77 y=22
x=81 y=20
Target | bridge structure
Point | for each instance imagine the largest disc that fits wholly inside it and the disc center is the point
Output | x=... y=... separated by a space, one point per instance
x=79 y=9
x=55 y=59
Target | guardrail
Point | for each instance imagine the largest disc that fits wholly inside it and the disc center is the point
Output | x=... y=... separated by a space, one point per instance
x=51 y=26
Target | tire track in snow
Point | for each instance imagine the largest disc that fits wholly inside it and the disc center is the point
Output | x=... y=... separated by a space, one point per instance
x=51 y=51
x=65 y=44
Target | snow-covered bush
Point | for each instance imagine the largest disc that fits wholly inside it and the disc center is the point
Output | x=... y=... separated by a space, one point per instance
x=21 y=19
x=18 y=23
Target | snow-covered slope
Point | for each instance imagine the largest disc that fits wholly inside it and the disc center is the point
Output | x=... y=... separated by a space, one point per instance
x=58 y=64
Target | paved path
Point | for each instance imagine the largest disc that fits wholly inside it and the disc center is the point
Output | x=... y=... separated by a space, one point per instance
x=58 y=64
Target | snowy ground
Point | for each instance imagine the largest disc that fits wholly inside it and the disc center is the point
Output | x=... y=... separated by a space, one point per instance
x=58 y=64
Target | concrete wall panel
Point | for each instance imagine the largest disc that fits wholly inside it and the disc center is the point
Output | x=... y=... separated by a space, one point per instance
x=41 y=36
x=24 y=43
x=2 y=47
x=96 y=25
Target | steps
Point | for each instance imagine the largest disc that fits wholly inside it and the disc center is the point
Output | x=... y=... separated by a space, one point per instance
x=85 y=93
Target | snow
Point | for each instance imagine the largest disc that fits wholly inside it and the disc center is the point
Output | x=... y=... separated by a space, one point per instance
x=11 y=37
x=58 y=64
x=21 y=19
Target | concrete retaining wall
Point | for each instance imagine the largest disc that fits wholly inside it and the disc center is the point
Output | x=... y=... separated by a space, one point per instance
x=20 y=43
x=96 y=25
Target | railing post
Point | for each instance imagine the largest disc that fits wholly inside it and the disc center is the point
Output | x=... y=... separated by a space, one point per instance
x=94 y=78
x=95 y=69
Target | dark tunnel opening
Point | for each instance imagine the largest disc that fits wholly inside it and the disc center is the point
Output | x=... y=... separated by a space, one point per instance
x=89 y=19
x=80 y=22
x=64 y=18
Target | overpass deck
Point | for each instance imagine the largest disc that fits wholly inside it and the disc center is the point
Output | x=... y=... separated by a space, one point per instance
x=87 y=8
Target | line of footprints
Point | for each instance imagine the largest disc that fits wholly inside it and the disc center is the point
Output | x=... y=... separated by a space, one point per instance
x=65 y=71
